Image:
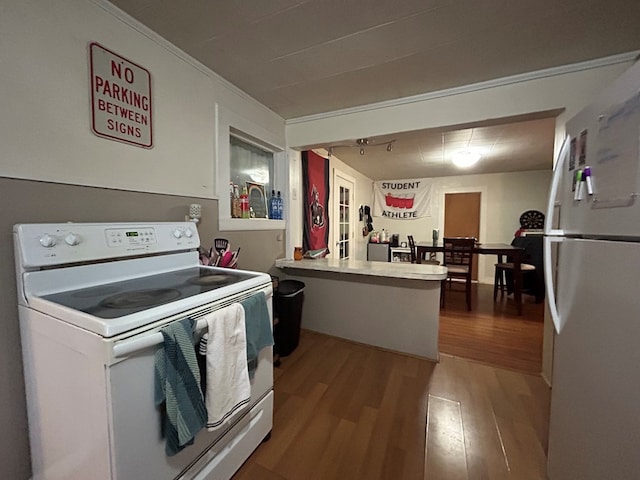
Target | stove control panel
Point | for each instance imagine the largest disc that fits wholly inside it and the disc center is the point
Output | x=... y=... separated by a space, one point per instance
x=47 y=244
x=117 y=237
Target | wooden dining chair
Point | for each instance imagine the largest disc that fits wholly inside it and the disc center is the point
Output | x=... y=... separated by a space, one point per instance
x=506 y=268
x=531 y=269
x=457 y=257
x=412 y=248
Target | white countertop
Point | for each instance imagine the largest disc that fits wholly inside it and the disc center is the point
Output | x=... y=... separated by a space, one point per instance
x=376 y=269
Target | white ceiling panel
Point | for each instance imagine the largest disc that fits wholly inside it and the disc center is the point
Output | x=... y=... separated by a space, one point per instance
x=428 y=45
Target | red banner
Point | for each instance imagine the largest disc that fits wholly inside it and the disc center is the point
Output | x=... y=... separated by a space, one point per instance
x=315 y=179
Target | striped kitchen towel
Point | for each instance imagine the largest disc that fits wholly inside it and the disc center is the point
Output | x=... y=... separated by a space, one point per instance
x=177 y=386
x=228 y=390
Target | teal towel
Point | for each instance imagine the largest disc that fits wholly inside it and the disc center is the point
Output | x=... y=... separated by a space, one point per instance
x=177 y=385
x=258 y=327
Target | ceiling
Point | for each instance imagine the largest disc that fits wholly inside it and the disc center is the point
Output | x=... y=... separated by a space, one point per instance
x=305 y=57
x=506 y=145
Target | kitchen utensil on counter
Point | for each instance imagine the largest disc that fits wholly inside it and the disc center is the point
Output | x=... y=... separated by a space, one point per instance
x=319 y=253
x=233 y=263
x=225 y=259
x=221 y=245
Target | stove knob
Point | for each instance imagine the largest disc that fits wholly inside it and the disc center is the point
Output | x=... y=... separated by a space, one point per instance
x=47 y=240
x=177 y=233
x=72 y=239
x=188 y=233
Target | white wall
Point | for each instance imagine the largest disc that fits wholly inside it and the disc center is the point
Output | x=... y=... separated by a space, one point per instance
x=45 y=136
x=504 y=197
x=46 y=112
x=568 y=87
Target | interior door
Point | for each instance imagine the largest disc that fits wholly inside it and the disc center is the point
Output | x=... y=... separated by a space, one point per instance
x=343 y=213
x=462 y=218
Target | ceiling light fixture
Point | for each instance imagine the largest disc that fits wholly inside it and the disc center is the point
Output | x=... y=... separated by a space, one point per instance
x=361 y=143
x=465 y=158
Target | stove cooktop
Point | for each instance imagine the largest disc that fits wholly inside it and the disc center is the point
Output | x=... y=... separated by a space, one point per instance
x=126 y=297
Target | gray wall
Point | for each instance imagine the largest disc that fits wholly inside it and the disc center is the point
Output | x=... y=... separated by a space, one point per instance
x=29 y=201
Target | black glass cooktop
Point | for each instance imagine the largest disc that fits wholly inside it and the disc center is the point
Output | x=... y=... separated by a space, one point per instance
x=118 y=299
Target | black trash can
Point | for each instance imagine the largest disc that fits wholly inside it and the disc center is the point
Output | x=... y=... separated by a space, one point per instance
x=288 y=304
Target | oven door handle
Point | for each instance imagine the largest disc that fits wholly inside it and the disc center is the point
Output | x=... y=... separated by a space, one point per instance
x=127 y=347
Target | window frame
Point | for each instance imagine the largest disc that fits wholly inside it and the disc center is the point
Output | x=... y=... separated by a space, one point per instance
x=230 y=124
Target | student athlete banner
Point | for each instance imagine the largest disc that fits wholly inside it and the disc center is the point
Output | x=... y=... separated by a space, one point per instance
x=315 y=184
x=402 y=199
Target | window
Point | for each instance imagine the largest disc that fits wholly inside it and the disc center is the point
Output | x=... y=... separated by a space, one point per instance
x=249 y=166
x=248 y=152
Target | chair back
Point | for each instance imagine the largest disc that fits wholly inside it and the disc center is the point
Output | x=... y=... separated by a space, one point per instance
x=457 y=257
x=532 y=245
x=458 y=251
x=412 y=248
x=533 y=255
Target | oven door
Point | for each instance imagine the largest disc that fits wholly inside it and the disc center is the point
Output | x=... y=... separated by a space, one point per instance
x=137 y=442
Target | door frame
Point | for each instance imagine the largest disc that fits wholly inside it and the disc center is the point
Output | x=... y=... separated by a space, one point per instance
x=482 y=277
x=335 y=210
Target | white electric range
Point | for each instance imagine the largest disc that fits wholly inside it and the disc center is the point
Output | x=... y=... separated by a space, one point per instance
x=92 y=299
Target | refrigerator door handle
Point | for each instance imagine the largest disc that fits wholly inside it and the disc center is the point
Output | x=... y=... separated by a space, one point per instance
x=553 y=191
x=558 y=321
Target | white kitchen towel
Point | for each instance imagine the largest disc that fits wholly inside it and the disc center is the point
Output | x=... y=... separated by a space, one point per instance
x=228 y=388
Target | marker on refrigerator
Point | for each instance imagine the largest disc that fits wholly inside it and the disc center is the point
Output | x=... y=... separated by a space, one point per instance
x=586 y=175
x=578 y=194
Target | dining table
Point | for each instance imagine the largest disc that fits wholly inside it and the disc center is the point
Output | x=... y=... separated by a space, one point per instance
x=514 y=254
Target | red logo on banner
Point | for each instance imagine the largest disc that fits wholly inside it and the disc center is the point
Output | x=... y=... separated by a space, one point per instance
x=404 y=201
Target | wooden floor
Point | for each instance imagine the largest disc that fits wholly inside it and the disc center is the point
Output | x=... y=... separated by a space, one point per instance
x=345 y=411
x=491 y=332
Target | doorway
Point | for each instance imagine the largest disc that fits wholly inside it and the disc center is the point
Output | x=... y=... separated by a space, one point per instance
x=462 y=218
x=492 y=332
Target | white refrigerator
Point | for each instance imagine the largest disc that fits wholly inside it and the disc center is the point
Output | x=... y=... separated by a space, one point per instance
x=594 y=290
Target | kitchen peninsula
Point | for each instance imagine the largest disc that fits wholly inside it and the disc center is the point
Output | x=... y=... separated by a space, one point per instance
x=395 y=306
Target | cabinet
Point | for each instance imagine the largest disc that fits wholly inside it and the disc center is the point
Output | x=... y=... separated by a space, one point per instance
x=400 y=254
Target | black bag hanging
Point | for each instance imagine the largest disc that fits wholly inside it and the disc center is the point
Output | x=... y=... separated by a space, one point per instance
x=368 y=220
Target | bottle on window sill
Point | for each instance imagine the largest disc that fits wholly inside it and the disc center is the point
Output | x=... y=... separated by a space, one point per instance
x=280 y=206
x=273 y=208
x=235 y=206
x=244 y=203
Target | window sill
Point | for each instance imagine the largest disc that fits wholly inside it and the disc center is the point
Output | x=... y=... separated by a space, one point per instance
x=245 y=224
